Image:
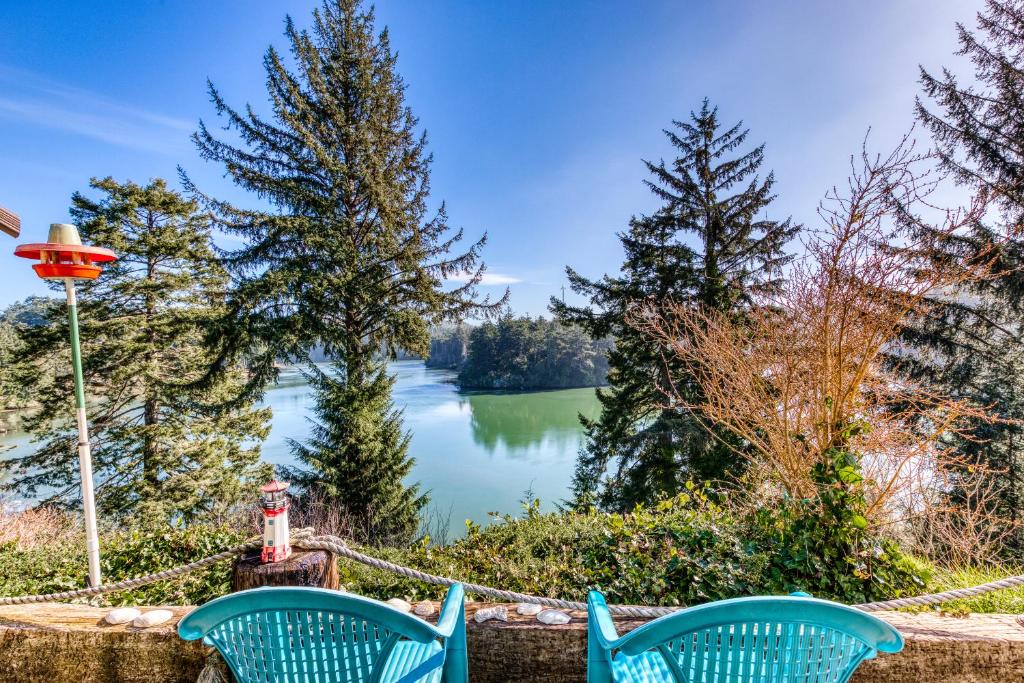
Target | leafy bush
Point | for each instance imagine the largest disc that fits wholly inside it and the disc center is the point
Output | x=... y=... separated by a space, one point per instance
x=823 y=546
x=137 y=553
x=125 y=555
x=687 y=550
x=684 y=551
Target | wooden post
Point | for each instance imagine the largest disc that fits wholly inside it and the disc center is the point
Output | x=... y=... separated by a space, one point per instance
x=9 y=222
x=304 y=568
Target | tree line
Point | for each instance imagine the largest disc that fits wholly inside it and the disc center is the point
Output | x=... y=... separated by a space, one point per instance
x=532 y=353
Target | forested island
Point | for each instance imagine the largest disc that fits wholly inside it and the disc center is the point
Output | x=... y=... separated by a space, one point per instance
x=532 y=353
x=520 y=353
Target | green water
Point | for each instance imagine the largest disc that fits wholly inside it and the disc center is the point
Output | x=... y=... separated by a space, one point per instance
x=475 y=452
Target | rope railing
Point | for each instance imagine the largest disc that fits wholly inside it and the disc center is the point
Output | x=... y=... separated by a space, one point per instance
x=304 y=539
x=128 y=584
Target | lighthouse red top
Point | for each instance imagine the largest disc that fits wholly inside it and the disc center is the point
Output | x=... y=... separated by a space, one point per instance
x=64 y=255
x=274 y=487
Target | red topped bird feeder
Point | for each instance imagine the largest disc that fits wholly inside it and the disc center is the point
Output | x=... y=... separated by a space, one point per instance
x=64 y=255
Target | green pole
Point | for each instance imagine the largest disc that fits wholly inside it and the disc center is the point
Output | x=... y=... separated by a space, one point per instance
x=92 y=542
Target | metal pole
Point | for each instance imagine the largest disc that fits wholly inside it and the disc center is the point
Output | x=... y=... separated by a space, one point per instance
x=92 y=540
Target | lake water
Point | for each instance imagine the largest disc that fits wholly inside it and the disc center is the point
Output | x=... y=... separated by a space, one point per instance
x=475 y=452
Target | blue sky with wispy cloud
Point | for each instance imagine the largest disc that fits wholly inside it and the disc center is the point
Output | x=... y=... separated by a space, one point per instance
x=30 y=98
x=538 y=114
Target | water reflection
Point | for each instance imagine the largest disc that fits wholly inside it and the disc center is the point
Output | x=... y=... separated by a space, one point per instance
x=522 y=422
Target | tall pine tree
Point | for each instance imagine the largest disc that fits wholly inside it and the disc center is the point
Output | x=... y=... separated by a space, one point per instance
x=350 y=258
x=161 y=450
x=972 y=343
x=706 y=245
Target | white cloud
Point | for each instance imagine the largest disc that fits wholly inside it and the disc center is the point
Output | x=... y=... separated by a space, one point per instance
x=35 y=100
x=487 y=279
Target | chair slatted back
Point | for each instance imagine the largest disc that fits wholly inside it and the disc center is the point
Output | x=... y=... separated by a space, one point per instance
x=782 y=652
x=303 y=645
x=307 y=635
x=786 y=639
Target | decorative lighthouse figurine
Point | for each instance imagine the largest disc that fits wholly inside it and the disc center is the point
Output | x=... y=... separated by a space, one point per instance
x=276 y=544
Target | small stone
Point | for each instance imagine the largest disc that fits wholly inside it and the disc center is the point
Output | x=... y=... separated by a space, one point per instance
x=528 y=609
x=553 y=617
x=152 y=618
x=424 y=608
x=499 y=613
x=400 y=604
x=121 y=615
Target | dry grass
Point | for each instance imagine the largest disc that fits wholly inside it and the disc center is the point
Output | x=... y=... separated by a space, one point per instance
x=34 y=528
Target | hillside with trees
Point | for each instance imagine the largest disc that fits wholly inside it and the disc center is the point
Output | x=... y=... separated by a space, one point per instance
x=15 y=321
x=533 y=353
x=448 y=347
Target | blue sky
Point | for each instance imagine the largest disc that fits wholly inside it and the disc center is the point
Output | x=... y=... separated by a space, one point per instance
x=538 y=113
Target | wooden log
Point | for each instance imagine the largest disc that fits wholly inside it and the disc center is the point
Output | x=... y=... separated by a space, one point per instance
x=69 y=644
x=304 y=568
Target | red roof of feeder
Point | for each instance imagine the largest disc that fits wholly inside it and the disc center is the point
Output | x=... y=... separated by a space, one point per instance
x=275 y=487
x=77 y=271
x=64 y=251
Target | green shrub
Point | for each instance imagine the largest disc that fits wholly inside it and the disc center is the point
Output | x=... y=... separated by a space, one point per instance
x=137 y=553
x=125 y=555
x=823 y=545
x=40 y=570
x=684 y=551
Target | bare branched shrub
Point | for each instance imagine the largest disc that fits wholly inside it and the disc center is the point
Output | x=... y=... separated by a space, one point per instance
x=962 y=530
x=807 y=364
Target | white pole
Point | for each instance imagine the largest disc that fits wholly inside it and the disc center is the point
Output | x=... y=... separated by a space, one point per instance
x=92 y=540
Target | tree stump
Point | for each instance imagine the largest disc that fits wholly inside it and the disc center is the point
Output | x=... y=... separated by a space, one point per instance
x=304 y=568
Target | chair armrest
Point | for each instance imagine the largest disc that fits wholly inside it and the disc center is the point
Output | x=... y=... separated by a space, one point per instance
x=602 y=626
x=453 y=608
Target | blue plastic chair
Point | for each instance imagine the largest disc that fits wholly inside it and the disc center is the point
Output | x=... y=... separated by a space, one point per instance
x=315 y=635
x=745 y=640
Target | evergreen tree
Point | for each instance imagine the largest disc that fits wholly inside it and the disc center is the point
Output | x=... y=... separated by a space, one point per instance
x=640 y=448
x=13 y=323
x=350 y=258
x=971 y=343
x=161 y=450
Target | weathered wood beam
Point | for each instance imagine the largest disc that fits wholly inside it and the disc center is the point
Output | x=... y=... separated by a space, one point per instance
x=9 y=222
x=70 y=644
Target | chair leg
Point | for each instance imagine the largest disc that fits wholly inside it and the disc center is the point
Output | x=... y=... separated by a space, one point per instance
x=456 y=663
x=599 y=668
